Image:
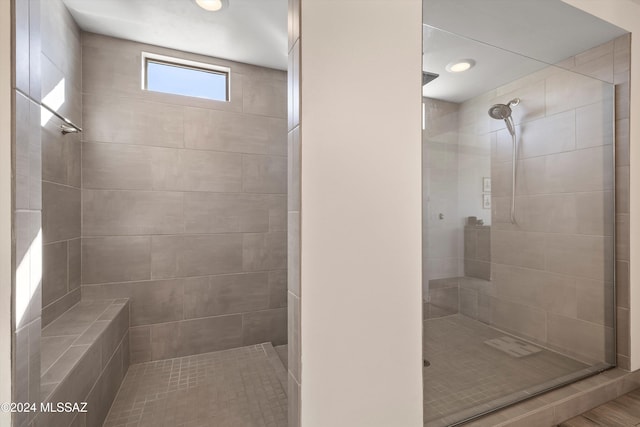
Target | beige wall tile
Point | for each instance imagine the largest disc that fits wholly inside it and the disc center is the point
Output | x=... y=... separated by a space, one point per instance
x=129 y=167
x=553 y=213
x=264 y=174
x=578 y=337
x=54 y=154
x=105 y=390
x=28 y=264
x=234 y=132
x=226 y=294
x=622 y=100
x=165 y=340
x=129 y=121
x=523 y=320
x=54 y=271
x=21 y=153
x=597 y=62
x=622 y=142
x=61 y=213
x=293 y=326
x=21 y=75
x=265 y=326
x=115 y=259
x=210 y=334
x=622 y=53
x=293 y=251
x=74 y=160
x=622 y=237
x=116 y=213
x=154 y=301
x=293 y=174
x=35 y=158
x=278 y=288
x=277 y=212
x=580 y=256
x=530 y=177
x=593 y=125
x=549 y=135
x=265 y=97
x=140 y=344
x=478 y=269
x=536 y=288
x=264 y=251
x=522 y=249
x=294 y=84
x=74 y=267
x=566 y=90
x=596 y=302
x=622 y=284
x=447 y=298
x=111 y=70
x=622 y=189
x=484 y=307
x=210 y=171
x=622 y=331
x=55 y=79
x=470 y=242
x=61 y=40
x=581 y=170
x=594 y=213
x=469 y=303
x=224 y=213
x=195 y=336
x=195 y=255
x=56 y=308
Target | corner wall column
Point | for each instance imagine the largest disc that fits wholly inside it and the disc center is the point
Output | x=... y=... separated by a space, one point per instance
x=355 y=330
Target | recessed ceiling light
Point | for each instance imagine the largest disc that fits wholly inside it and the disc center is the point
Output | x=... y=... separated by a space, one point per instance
x=213 y=5
x=460 y=65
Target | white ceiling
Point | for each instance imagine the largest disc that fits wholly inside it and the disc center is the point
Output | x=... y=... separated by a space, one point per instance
x=255 y=32
x=250 y=31
x=546 y=30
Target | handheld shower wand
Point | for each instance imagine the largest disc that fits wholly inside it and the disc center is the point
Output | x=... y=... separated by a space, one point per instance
x=503 y=112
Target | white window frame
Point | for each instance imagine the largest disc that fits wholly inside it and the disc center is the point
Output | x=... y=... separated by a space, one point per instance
x=185 y=63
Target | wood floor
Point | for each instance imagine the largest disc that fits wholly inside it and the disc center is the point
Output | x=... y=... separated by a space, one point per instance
x=621 y=412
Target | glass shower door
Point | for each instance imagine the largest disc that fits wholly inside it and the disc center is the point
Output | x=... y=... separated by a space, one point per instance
x=518 y=230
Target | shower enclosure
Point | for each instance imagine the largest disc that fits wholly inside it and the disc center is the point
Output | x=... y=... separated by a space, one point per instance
x=518 y=225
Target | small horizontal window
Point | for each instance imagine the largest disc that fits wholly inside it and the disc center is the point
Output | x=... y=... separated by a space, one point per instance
x=187 y=78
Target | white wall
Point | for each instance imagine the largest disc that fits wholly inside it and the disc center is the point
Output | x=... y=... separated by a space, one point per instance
x=626 y=14
x=5 y=208
x=361 y=213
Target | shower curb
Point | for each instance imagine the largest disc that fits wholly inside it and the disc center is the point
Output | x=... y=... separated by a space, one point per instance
x=557 y=406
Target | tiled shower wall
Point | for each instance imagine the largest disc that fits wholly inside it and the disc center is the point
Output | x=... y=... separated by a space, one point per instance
x=441 y=222
x=61 y=89
x=611 y=62
x=293 y=211
x=26 y=208
x=184 y=203
x=552 y=273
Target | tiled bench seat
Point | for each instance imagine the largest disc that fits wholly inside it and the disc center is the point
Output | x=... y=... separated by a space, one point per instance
x=84 y=357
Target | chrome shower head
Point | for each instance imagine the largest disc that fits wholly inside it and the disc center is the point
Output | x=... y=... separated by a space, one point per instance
x=503 y=112
x=500 y=111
